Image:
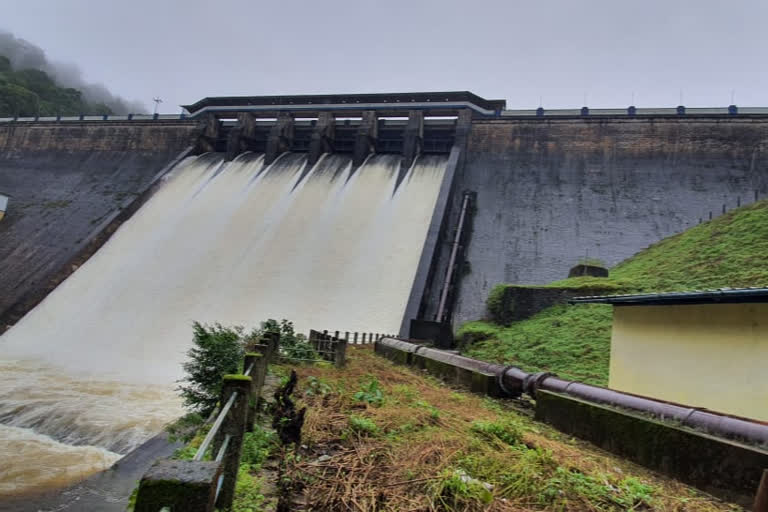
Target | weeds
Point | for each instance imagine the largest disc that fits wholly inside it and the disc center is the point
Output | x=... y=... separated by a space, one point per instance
x=371 y=393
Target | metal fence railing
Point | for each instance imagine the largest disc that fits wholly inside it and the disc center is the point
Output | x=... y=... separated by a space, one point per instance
x=207 y=482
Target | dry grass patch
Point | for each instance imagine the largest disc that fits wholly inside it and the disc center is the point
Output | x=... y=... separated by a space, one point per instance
x=382 y=437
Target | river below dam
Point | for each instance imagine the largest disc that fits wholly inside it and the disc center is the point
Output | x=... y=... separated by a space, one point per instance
x=90 y=373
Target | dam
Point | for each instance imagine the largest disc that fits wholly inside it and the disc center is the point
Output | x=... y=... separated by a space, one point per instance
x=333 y=211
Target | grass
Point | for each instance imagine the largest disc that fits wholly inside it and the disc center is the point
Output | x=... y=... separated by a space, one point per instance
x=574 y=341
x=428 y=447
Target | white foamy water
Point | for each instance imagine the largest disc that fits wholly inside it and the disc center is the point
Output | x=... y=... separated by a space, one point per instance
x=236 y=243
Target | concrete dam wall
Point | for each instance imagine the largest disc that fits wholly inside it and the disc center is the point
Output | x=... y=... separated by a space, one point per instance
x=66 y=182
x=551 y=191
x=337 y=212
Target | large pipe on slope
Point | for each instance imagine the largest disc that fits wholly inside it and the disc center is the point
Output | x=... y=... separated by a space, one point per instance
x=515 y=381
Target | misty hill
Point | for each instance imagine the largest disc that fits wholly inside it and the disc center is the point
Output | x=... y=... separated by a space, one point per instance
x=574 y=341
x=31 y=92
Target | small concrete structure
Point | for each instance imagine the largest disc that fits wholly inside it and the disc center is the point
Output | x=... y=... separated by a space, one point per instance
x=705 y=349
x=3 y=205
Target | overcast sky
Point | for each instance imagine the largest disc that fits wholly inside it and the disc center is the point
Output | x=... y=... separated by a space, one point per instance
x=559 y=51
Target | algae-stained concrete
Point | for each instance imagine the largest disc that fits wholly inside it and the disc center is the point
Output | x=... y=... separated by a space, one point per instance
x=65 y=180
x=726 y=469
x=551 y=191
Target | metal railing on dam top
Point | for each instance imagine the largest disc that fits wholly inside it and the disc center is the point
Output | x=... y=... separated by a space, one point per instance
x=584 y=112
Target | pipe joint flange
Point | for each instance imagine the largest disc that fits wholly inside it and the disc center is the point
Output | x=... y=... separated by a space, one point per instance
x=534 y=380
x=500 y=381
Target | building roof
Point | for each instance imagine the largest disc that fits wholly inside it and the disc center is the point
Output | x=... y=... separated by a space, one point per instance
x=720 y=296
x=371 y=100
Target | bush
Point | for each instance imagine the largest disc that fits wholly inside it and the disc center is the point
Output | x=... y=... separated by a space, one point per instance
x=217 y=351
x=292 y=345
x=363 y=426
x=495 y=302
x=371 y=393
x=506 y=431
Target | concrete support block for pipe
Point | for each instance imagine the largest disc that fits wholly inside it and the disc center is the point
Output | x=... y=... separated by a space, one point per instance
x=727 y=469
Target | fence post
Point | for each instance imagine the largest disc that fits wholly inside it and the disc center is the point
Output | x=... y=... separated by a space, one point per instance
x=336 y=335
x=355 y=339
x=363 y=338
x=258 y=359
x=761 y=499
x=346 y=336
x=180 y=485
x=233 y=426
x=340 y=353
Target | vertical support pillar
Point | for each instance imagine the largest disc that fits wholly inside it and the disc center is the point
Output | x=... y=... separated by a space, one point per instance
x=247 y=123
x=210 y=134
x=280 y=137
x=355 y=339
x=233 y=144
x=179 y=485
x=272 y=340
x=233 y=426
x=322 y=138
x=340 y=353
x=413 y=138
x=365 y=140
x=257 y=358
x=761 y=499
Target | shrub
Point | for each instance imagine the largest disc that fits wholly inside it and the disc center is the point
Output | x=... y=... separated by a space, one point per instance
x=458 y=491
x=371 y=393
x=495 y=302
x=363 y=426
x=217 y=351
x=292 y=345
x=506 y=431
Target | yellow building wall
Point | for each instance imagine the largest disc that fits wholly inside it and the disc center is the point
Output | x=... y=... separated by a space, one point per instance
x=710 y=355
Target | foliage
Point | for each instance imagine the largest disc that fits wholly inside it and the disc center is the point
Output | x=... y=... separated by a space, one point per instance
x=292 y=345
x=371 y=393
x=455 y=490
x=495 y=302
x=31 y=92
x=479 y=454
x=184 y=428
x=506 y=431
x=257 y=446
x=217 y=351
x=361 y=425
x=572 y=341
x=248 y=495
x=317 y=387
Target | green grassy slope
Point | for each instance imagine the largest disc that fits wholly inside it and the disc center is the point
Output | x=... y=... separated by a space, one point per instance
x=574 y=341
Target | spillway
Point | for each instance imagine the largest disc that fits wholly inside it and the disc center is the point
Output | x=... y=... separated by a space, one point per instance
x=90 y=373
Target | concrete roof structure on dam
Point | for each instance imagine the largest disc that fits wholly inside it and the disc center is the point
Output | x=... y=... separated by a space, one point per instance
x=394 y=104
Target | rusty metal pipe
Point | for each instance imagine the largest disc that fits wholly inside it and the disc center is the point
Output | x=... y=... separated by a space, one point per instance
x=514 y=381
x=732 y=427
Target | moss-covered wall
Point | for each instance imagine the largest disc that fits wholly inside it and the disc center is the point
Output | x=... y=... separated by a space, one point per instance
x=726 y=469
